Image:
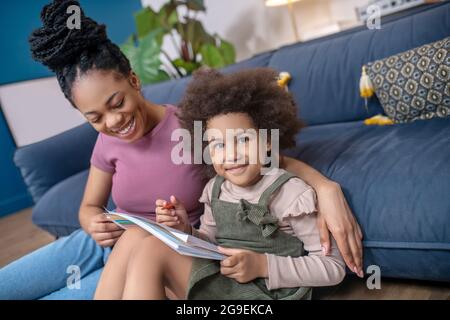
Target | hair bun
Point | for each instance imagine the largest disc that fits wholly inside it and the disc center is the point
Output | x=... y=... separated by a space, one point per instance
x=55 y=45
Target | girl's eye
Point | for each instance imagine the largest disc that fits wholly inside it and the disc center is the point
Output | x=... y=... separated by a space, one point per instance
x=243 y=139
x=96 y=120
x=218 y=146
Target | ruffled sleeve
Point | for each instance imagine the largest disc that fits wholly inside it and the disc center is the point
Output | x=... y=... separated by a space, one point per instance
x=314 y=269
x=305 y=203
x=206 y=195
x=207 y=229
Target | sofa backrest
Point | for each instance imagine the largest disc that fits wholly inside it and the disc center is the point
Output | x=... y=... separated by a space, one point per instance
x=172 y=91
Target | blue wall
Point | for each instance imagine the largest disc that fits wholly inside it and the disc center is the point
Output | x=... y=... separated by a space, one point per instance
x=18 y=18
x=13 y=193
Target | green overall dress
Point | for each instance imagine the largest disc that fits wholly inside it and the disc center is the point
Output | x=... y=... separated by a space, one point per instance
x=246 y=226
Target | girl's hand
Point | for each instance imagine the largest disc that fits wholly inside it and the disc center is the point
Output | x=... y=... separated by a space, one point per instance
x=243 y=265
x=336 y=217
x=172 y=214
x=104 y=231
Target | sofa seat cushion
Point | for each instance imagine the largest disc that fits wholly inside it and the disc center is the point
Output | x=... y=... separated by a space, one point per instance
x=397 y=181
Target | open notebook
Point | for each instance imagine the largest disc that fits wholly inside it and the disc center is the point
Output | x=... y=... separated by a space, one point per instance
x=179 y=241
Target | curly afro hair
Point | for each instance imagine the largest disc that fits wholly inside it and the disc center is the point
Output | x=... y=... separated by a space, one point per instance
x=72 y=52
x=253 y=91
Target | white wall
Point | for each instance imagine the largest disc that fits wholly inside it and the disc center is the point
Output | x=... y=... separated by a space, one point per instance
x=36 y=110
x=253 y=28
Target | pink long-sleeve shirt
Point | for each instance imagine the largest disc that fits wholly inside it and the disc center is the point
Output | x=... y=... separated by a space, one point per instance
x=294 y=204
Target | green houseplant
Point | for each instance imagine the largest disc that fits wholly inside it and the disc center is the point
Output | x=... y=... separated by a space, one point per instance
x=195 y=47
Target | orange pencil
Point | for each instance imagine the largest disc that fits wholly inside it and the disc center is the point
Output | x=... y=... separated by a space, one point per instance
x=168 y=206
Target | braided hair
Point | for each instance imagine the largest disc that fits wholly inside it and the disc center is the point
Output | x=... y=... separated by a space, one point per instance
x=70 y=53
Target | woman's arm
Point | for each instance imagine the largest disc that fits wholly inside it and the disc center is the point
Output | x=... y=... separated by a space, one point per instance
x=335 y=215
x=92 y=219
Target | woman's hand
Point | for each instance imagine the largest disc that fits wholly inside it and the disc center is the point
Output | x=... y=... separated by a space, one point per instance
x=172 y=214
x=104 y=231
x=334 y=214
x=336 y=217
x=243 y=265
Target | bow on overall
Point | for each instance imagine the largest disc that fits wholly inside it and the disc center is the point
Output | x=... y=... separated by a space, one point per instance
x=259 y=215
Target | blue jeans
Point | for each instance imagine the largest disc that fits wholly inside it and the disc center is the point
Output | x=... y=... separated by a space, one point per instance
x=48 y=272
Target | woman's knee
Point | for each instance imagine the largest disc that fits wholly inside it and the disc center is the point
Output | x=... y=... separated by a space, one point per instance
x=150 y=248
x=153 y=245
x=132 y=236
x=136 y=232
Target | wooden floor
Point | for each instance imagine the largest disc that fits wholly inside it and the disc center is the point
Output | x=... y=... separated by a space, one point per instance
x=18 y=236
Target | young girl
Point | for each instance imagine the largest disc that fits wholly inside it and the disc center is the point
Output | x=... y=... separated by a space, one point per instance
x=264 y=223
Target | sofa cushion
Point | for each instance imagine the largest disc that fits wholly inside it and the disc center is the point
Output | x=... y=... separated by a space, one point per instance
x=45 y=163
x=326 y=72
x=414 y=84
x=57 y=210
x=396 y=180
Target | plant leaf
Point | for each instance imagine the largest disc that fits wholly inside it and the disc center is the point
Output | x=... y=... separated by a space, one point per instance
x=168 y=16
x=160 y=77
x=145 y=59
x=188 y=67
x=195 y=5
x=211 y=56
x=146 y=21
x=194 y=33
x=129 y=49
x=227 y=51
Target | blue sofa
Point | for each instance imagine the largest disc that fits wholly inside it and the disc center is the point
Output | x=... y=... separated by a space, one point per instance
x=395 y=178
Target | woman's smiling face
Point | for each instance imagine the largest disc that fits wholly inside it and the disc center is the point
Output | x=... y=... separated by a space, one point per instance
x=112 y=104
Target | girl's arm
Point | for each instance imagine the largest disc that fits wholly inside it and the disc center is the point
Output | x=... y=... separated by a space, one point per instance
x=312 y=270
x=207 y=230
x=334 y=216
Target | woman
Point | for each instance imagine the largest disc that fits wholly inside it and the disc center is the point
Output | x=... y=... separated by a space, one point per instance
x=131 y=160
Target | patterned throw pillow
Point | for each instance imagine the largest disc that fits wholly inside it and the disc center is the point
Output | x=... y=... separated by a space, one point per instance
x=414 y=84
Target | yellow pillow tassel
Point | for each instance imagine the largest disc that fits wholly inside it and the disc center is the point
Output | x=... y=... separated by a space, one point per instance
x=378 y=120
x=283 y=79
x=366 y=89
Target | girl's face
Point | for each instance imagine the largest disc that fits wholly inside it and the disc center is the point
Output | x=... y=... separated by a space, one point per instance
x=112 y=104
x=237 y=156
